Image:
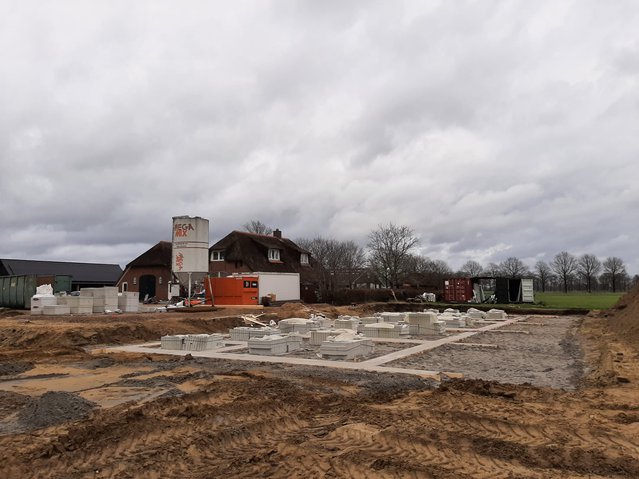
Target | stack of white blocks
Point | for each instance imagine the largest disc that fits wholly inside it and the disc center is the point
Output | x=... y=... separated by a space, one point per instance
x=56 y=309
x=192 y=342
x=77 y=304
x=382 y=330
x=103 y=298
x=128 y=301
x=320 y=335
x=274 y=345
x=370 y=319
x=346 y=323
x=203 y=342
x=348 y=349
x=392 y=317
x=496 y=314
x=175 y=341
x=427 y=323
x=245 y=333
x=297 y=325
x=39 y=302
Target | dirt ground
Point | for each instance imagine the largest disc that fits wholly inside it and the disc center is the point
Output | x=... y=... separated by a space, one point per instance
x=68 y=413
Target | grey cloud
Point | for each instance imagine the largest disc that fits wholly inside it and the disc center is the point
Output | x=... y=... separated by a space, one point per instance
x=493 y=129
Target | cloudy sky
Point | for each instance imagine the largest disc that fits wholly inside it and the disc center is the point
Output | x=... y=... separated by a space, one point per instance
x=492 y=128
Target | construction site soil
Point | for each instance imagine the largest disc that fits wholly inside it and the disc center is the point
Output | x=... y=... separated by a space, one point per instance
x=70 y=410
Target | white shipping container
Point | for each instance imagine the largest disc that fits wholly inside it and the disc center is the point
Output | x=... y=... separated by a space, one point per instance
x=285 y=286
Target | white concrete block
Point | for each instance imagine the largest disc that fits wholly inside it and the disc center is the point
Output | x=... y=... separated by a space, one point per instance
x=56 y=309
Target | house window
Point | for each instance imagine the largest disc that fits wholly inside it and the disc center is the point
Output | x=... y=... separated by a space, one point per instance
x=274 y=254
x=135 y=280
x=217 y=256
x=125 y=287
x=304 y=258
x=160 y=280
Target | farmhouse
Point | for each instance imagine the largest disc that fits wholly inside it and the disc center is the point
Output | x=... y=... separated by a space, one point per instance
x=83 y=275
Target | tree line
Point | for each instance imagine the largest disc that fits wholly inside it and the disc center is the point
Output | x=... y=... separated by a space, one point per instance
x=389 y=260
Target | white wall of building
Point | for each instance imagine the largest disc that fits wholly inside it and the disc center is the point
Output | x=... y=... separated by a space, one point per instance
x=285 y=286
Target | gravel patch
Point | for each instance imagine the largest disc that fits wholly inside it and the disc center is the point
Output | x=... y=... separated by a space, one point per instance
x=54 y=407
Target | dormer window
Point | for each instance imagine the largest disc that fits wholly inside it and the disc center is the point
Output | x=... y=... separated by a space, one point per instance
x=217 y=255
x=304 y=258
x=273 y=254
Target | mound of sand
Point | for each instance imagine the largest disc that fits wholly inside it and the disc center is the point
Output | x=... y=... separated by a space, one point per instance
x=624 y=317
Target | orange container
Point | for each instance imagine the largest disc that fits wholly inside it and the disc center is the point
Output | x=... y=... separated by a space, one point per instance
x=232 y=290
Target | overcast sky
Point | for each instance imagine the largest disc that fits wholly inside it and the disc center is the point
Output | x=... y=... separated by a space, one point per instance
x=492 y=128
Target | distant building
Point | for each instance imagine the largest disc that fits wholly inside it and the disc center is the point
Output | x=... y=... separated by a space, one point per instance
x=243 y=252
x=238 y=252
x=83 y=275
x=150 y=273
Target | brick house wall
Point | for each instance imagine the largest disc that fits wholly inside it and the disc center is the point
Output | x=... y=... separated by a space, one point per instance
x=136 y=277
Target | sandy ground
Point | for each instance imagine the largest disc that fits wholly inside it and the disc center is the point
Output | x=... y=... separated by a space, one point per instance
x=67 y=413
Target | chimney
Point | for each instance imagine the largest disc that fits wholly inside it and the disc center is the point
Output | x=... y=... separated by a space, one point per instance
x=277 y=233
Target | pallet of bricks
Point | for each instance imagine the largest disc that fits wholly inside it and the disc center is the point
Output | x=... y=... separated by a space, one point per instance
x=104 y=299
x=77 y=304
x=129 y=302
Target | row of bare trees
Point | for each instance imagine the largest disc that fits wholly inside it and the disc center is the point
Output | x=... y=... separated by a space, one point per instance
x=565 y=271
x=390 y=260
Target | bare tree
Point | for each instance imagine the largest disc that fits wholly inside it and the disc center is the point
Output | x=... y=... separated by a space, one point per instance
x=614 y=270
x=492 y=270
x=471 y=268
x=439 y=270
x=588 y=267
x=389 y=246
x=423 y=271
x=513 y=267
x=564 y=264
x=258 y=228
x=543 y=274
x=353 y=261
x=338 y=263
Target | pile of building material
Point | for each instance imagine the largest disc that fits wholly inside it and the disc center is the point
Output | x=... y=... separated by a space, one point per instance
x=319 y=335
x=244 y=333
x=56 y=309
x=192 y=342
x=453 y=319
x=392 y=317
x=39 y=301
x=346 y=322
x=129 y=301
x=175 y=341
x=370 y=319
x=322 y=321
x=104 y=299
x=425 y=323
x=384 y=330
x=496 y=315
x=275 y=344
x=476 y=314
x=346 y=345
x=77 y=304
x=297 y=325
x=203 y=342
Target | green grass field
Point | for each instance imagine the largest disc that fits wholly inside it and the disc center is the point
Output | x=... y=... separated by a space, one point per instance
x=577 y=300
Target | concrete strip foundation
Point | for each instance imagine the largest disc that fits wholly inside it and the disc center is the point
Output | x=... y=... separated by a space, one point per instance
x=371 y=365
